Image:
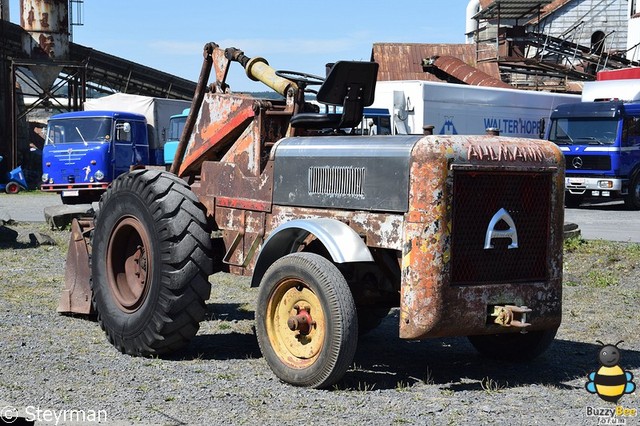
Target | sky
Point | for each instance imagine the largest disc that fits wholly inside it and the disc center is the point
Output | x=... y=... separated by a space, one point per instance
x=301 y=36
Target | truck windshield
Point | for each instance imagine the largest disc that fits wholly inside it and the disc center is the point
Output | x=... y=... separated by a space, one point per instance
x=583 y=131
x=176 y=124
x=76 y=130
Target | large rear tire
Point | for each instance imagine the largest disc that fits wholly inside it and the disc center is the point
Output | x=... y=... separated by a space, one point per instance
x=150 y=263
x=306 y=321
x=513 y=346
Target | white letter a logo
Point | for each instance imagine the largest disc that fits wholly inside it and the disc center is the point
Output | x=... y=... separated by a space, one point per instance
x=511 y=233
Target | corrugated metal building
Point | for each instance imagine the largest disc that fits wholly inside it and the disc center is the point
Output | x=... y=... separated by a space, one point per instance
x=599 y=24
x=406 y=61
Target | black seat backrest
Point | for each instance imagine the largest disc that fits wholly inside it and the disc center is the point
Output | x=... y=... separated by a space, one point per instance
x=350 y=84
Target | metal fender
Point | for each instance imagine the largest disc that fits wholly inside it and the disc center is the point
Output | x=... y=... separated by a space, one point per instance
x=343 y=243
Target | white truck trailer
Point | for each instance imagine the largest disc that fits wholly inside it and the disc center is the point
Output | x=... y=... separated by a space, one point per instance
x=456 y=109
x=157 y=111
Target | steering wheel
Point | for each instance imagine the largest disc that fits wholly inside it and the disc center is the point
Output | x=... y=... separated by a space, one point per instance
x=303 y=79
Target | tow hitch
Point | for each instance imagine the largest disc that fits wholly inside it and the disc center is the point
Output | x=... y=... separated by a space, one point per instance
x=511 y=316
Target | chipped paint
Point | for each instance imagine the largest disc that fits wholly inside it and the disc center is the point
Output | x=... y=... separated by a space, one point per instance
x=47 y=23
x=430 y=305
x=505 y=153
x=231 y=151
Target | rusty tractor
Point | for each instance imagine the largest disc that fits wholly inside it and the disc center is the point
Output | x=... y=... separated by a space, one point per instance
x=462 y=233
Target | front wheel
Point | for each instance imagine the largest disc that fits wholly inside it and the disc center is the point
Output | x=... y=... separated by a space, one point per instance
x=306 y=321
x=513 y=346
x=150 y=263
x=632 y=200
x=573 y=201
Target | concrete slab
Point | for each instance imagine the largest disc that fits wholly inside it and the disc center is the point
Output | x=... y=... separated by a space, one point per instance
x=61 y=216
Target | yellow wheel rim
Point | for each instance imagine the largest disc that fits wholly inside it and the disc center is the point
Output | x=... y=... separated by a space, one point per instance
x=295 y=323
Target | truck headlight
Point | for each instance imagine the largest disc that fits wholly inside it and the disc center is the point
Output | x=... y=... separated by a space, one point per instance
x=45 y=177
x=98 y=175
x=605 y=184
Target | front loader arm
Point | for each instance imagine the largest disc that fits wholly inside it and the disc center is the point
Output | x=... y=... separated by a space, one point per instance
x=257 y=69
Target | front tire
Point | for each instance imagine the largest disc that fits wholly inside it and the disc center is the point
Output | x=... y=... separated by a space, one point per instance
x=632 y=200
x=513 y=346
x=306 y=321
x=150 y=263
x=573 y=201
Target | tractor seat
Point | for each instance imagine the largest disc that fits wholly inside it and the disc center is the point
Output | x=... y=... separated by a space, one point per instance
x=350 y=84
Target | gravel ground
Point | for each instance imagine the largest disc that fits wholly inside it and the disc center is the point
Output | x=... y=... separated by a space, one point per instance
x=27 y=206
x=55 y=363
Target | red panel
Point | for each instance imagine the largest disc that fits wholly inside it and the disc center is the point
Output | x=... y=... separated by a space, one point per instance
x=623 y=74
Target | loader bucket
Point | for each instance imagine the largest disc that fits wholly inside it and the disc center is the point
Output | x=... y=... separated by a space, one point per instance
x=76 y=296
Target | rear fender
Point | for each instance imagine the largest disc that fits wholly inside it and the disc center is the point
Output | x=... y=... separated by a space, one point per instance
x=342 y=242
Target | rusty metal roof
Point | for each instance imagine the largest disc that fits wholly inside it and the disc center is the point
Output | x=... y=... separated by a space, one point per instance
x=510 y=9
x=404 y=61
x=549 y=9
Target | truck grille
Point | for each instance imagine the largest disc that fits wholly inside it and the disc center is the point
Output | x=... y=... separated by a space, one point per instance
x=588 y=162
x=478 y=196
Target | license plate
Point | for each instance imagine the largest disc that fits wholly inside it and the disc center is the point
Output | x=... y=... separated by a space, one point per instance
x=74 y=193
x=576 y=181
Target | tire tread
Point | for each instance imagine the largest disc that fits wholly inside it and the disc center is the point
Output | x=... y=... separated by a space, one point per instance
x=185 y=262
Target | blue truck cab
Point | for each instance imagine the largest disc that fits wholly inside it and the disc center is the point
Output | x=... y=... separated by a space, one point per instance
x=375 y=121
x=601 y=145
x=176 y=125
x=85 y=150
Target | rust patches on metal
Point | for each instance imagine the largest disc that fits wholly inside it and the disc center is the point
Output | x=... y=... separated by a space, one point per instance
x=511 y=316
x=194 y=112
x=463 y=72
x=378 y=230
x=425 y=245
x=506 y=153
x=242 y=231
x=430 y=305
x=239 y=203
x=220 y=67
x=230 y=148
x=76 y=296
x=228 y=185
x=47 y=23
x=403 y=61
x=223 y=118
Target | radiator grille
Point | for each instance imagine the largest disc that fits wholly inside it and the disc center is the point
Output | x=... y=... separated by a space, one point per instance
x=477 y=198
x=336 y=180
x=588 y=162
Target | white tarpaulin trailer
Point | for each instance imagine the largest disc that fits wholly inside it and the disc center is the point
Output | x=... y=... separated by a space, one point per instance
x=466 y=110
x=157 y=111
x=623 y=90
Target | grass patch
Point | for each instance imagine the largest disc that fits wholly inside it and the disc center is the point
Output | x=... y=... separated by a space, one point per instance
x=602 y=278
x=573 y=244
x=598 y=263
x=491 y=386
